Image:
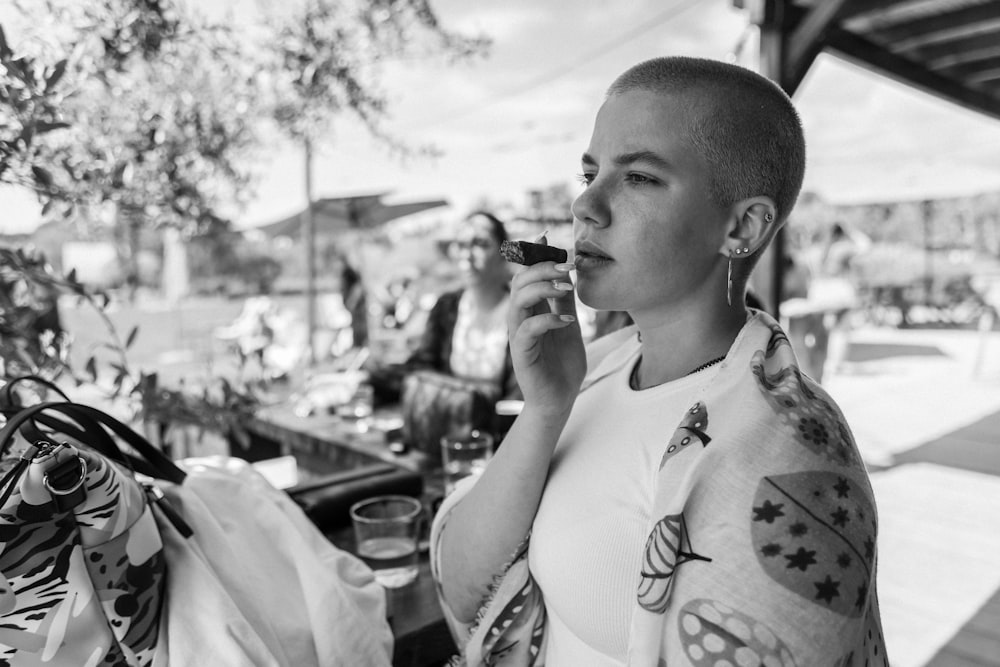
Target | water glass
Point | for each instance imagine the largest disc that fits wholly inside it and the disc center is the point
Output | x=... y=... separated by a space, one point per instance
x=464 y=455
x=386 y=530
x=360 y=406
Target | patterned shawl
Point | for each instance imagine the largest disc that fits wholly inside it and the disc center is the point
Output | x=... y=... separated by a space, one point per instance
x=761 y=546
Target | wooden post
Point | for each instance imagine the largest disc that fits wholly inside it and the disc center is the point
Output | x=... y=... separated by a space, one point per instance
x=768 y=16
x=309 y=237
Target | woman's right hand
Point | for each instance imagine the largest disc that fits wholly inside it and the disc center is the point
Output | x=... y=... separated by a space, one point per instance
x=546 y=343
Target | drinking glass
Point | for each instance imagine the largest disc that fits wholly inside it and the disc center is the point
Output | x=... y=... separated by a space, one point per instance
x=386 y=529
x=464 y=455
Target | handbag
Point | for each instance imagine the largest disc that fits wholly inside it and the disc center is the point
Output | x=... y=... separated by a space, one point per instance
x=205 y=564
x=436 y=405
x=82 y=560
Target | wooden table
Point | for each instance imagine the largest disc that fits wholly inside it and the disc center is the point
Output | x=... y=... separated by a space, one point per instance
x=325 y=444
x=418 y=626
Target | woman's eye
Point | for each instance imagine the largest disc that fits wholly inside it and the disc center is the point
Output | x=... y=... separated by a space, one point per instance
x=585 y=179
x=639 y=179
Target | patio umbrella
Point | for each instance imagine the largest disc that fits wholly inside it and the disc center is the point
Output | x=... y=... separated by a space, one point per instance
x=338 y=214
x=332 y=214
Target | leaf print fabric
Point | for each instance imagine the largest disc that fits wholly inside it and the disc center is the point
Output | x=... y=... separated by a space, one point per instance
x=814 y=533
x=713 y=633
x=802 y=406
x=762 y=536
x=667 y=548
x=692 y=429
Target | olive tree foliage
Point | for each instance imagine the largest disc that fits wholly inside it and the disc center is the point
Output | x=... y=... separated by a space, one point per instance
x=327 y=55
x=134 y=114
x=127 y=112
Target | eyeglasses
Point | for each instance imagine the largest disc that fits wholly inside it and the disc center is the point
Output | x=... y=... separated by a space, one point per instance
x=481 y=242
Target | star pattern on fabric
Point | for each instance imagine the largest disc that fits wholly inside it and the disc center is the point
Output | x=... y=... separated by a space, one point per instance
x=807 y=538
x=827 y=589
x=862 y=596
x=768 y=511
x=801 y=559
x=840 y=517
x=798 y=529
x=771 y=550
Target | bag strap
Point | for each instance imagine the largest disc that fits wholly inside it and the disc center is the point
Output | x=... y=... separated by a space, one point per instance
x=93 y=422
x=9 y=404
x=7 y=391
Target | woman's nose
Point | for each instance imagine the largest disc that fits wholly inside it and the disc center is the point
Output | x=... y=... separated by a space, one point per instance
x=591 y=206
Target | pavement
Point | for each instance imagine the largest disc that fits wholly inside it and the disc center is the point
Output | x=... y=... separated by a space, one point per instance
x=924 y=406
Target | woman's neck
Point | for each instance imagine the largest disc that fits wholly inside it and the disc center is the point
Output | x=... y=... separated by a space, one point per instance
x=672 y=349
x=486 y=295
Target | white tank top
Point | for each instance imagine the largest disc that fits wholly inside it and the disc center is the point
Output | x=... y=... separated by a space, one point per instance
x=594 y=516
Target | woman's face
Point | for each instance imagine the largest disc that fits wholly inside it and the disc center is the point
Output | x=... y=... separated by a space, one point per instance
x=478 y=252
x=648 y=235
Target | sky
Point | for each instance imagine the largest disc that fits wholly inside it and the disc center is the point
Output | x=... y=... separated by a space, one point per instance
x=520 y=118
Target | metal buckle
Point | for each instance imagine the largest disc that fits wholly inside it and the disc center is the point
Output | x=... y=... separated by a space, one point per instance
x=66 y=498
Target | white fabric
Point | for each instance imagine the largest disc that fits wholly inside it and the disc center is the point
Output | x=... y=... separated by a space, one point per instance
x=258 y=584
x=479 y=341
x=762 y=542
x=588 y=535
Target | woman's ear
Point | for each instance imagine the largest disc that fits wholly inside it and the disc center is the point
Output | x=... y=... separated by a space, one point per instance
x=752 y=224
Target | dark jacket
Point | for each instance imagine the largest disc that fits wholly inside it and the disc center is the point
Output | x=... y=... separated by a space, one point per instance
x=434 y=352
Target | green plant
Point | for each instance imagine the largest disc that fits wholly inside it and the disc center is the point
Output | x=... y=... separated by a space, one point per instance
x=27 y=285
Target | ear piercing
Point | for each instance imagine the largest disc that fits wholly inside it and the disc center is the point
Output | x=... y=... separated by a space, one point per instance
x=768 y=217
x=741 y=251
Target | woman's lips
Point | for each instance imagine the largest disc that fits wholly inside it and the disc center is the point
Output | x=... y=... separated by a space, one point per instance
x=590 y=260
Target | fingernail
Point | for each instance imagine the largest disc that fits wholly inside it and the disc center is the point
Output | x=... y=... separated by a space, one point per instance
x=567 y=318
x=565 y=268
x=565 y=287
x=541 y=236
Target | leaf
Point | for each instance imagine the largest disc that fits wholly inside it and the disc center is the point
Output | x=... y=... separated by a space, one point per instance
x=42 y=176
x=56 y=75
x=45 y=126
x=5 y=51
x=131 y=337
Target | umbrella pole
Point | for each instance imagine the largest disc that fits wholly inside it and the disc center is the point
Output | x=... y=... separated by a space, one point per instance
x=309 y=230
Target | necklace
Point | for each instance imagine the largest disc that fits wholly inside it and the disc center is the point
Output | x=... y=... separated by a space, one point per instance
x=633 y=380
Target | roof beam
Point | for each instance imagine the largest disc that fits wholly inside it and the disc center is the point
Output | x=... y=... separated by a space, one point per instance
x=871 y=56
x=806 y=41
x=942 y=27
x=959 y=51
x=970 y=70
x=861 y=7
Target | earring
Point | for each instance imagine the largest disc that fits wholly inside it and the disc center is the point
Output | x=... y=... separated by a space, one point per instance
x=768 y=217
x=729 y=280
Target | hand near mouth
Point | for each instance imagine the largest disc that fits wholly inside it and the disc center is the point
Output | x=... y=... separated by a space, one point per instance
x=546 y=342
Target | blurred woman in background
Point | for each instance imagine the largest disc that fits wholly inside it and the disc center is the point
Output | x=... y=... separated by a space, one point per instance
x=466 y=332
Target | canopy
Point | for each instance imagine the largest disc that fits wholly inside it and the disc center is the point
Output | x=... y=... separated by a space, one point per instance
x=334 y=214
x=948 y=48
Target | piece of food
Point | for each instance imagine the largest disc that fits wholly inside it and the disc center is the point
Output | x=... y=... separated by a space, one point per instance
x=527 y=253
